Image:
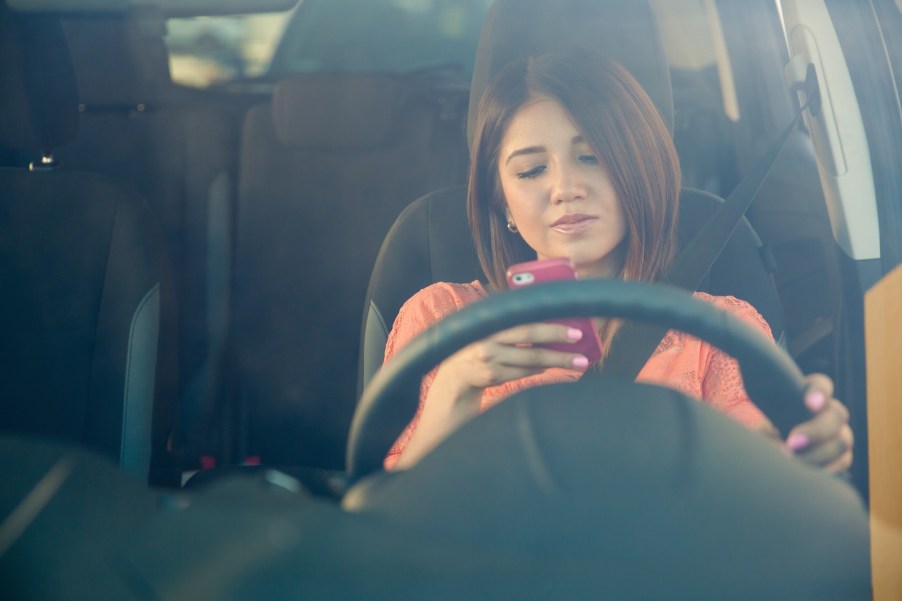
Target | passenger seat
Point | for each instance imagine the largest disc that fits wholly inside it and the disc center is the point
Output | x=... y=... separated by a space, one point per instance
x=83 y=318
x=325 y=169
x=178 y=148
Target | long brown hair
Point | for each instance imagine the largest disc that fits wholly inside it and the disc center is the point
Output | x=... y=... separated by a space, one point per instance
x=620 y=123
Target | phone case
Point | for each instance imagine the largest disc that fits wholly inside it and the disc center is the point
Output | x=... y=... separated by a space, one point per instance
x=547 y=270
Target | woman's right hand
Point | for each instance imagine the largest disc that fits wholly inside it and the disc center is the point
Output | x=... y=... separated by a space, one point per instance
x=456 y=391
x=509 y=355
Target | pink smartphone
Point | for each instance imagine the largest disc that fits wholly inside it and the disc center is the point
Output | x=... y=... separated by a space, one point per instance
x=547 y=270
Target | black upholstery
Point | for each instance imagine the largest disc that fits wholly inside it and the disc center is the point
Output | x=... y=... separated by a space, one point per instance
x=325 y=169
x=38 y=107
x=431 y=241
x=83 y=272
x=178 y=149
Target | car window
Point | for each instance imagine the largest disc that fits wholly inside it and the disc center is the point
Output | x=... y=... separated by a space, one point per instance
x=204 y=51
x=704 y=94
x=339 y=36
x=327 y=36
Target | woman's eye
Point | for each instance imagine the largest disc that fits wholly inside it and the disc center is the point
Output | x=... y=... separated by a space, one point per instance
x=590 y=159
x=531 y=173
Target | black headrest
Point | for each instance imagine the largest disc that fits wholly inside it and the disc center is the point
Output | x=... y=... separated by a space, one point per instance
x=625 y=31
x=322 y=110
x=38 y=94
x=120 y=58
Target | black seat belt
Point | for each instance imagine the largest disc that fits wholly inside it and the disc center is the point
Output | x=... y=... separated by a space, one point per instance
x=635 y=342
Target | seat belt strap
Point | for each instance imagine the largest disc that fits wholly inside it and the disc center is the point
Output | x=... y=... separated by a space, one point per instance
x=635 y=342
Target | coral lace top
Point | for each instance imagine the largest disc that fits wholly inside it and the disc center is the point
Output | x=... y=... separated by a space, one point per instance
x=681 y=361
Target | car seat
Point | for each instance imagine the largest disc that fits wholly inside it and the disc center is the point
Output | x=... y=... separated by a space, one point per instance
x=325 y=169
x=430 y=241
x=85 y=317
x=178 y=148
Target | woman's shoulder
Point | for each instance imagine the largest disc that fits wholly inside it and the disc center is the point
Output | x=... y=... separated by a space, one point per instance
x=442 y=298
x=427 y=307
x=737 y=307
x=449 y=293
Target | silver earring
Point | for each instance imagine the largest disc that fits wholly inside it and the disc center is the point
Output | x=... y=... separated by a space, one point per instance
x=511 y=227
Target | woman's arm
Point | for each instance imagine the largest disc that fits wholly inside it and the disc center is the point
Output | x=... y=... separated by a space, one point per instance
x=722 y=385
x=456 y=391
x=452 y=393
x=823 y=441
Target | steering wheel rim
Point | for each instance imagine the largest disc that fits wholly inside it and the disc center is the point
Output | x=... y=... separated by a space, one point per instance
x=389 y=402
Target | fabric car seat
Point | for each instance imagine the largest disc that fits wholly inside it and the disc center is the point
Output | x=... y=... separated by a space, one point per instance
x=84 y=321
x=326 y=167
x=178 y=148
x=430 y=241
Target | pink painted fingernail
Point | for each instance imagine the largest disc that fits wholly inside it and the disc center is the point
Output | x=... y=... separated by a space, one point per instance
x=580 y=362
x=797 y=442
x=574 y=334
x=815 y=400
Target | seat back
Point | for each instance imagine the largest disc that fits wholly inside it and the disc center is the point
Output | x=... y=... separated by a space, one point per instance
x=83 y=272
x=430 y=242
x=178 y=148
x=325 y=169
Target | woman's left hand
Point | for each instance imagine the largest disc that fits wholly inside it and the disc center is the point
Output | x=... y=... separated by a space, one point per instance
x=826 y=439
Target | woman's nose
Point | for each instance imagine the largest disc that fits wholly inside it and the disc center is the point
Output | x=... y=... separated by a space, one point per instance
x=568 y=186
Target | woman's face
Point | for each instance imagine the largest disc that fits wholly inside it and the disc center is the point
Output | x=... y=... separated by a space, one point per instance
x=557 y=193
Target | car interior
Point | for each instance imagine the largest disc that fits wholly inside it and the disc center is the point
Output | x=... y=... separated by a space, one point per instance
x=88 y=323
x=200 y=283
x=423 y=246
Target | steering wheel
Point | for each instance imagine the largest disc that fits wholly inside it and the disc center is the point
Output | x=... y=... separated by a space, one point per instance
x=772 y=379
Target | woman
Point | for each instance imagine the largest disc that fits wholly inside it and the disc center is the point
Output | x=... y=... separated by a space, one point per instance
x=571 y=159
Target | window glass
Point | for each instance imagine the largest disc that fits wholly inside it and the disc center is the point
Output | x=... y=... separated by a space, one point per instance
x=703 y=92
x=204 y=51
x=327 y=36
x=380 y=36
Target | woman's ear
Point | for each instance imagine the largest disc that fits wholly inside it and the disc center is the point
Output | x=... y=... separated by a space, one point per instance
x=511 y=226
x=504 y=208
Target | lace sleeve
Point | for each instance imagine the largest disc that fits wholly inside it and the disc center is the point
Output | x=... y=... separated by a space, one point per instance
x=421 y=311
x=722 y=384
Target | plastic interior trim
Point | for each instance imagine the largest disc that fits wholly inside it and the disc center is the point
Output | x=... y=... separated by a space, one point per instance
x=140 y=374
x=843 y=156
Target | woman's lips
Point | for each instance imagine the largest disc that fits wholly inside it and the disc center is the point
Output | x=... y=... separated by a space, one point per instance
x=574 y=224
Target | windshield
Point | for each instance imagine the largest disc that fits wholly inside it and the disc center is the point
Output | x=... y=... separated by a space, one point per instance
x=224 y=228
